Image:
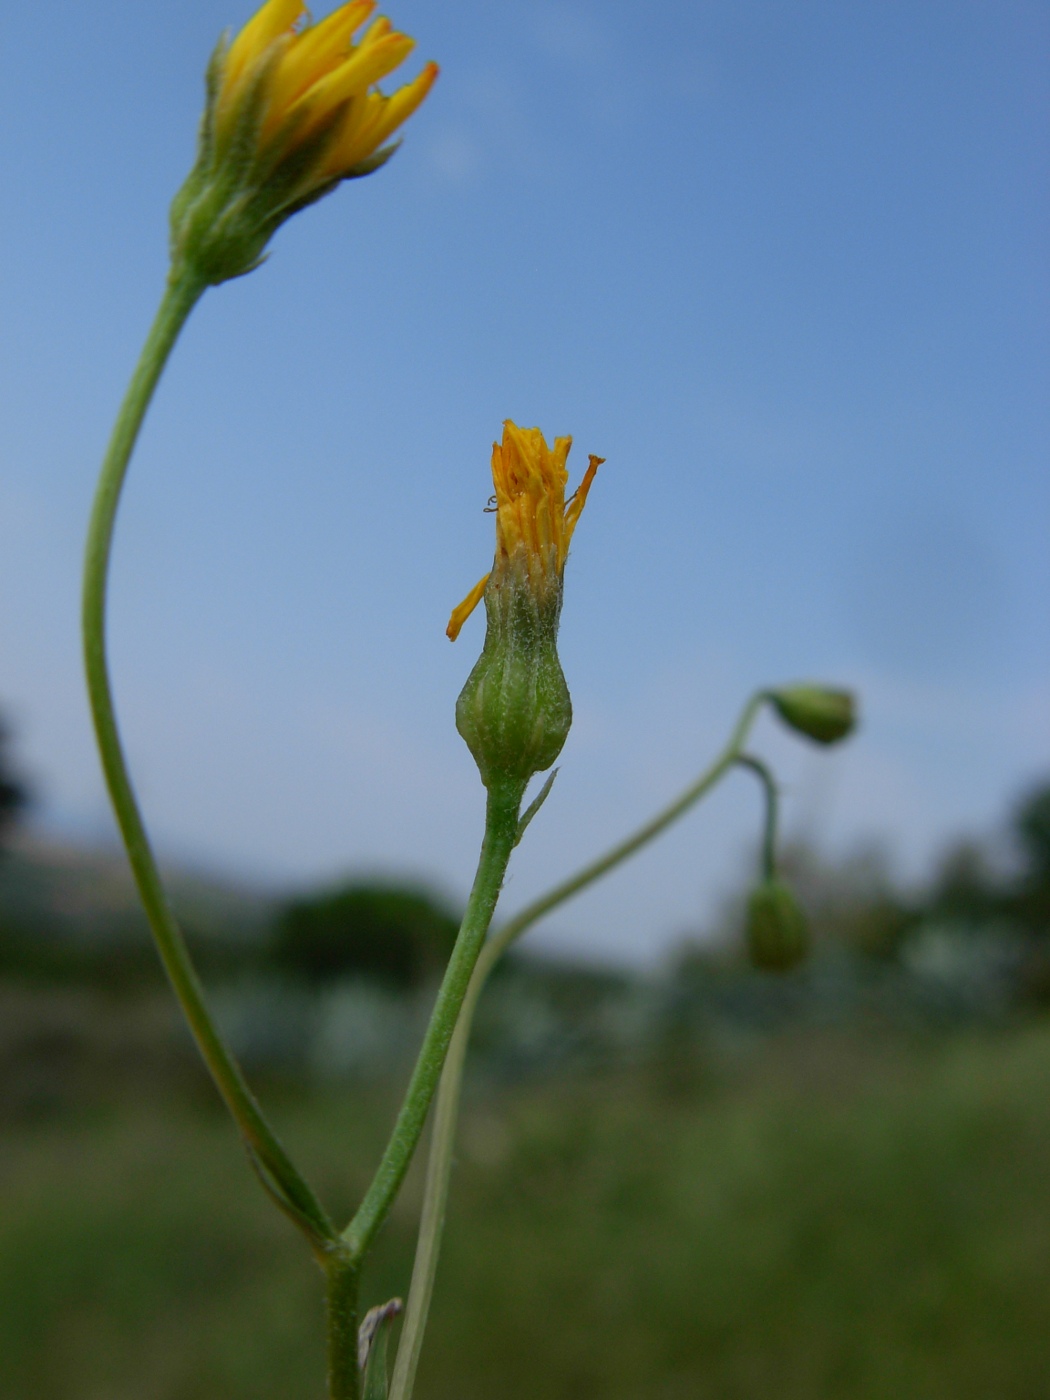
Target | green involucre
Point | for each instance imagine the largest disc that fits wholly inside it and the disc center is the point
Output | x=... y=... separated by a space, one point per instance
x=514 y=712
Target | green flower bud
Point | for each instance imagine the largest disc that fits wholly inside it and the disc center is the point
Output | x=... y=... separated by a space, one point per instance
x=777 y=932
x=819 y=712
x=514 y=711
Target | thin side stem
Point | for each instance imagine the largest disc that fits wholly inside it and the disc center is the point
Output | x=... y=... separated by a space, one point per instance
x=515 y=927
x=439 y=1161
x=435 y=1193
x=180 y=297
x=501 y=831
x=768 y=858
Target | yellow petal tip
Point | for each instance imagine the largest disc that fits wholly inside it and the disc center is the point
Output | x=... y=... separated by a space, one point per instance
x=463 y=611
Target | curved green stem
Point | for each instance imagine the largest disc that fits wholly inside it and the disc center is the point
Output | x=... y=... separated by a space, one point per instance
x=439 y=1161
x=501 y=833
x=768 y=858
x=293 y=1193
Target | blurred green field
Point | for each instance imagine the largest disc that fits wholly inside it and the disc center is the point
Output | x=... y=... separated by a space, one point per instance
x=826 y=1219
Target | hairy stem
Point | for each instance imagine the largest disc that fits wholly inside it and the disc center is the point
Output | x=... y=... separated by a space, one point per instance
x=279 y=1173
x=439 y=1161
x=501 y=831
x=343 y=1280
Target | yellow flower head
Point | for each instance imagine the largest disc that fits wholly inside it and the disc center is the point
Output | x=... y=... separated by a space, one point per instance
x=534 y=524
x=292 y=109
x=514 y=712
x=315 y=75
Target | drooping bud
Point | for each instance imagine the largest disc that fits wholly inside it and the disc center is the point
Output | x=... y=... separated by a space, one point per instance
x=819 y=712
x=777 y=931
x=291 y=110
x=514 y=711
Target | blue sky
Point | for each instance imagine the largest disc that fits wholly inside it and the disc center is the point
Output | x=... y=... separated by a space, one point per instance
x=783 y=265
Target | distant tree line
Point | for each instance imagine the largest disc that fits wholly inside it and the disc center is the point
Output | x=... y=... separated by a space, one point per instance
x=400 y=936
x=973 y=940
x=971 y=896
x=52 y=928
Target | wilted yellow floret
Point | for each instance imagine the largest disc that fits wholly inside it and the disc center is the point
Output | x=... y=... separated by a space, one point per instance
x=316 y=72
x=534 y=523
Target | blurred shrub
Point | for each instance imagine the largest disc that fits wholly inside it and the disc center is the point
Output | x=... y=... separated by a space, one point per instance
x=1029 y=902
x=13 y=793
x=399 y=936
x=1032 y=824
x=1032 y=833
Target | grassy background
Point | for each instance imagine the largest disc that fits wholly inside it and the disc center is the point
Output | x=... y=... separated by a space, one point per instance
x=828 y=1218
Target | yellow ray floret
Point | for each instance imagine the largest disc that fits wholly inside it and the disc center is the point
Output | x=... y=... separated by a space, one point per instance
x=534 y=524
x=316 y=73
